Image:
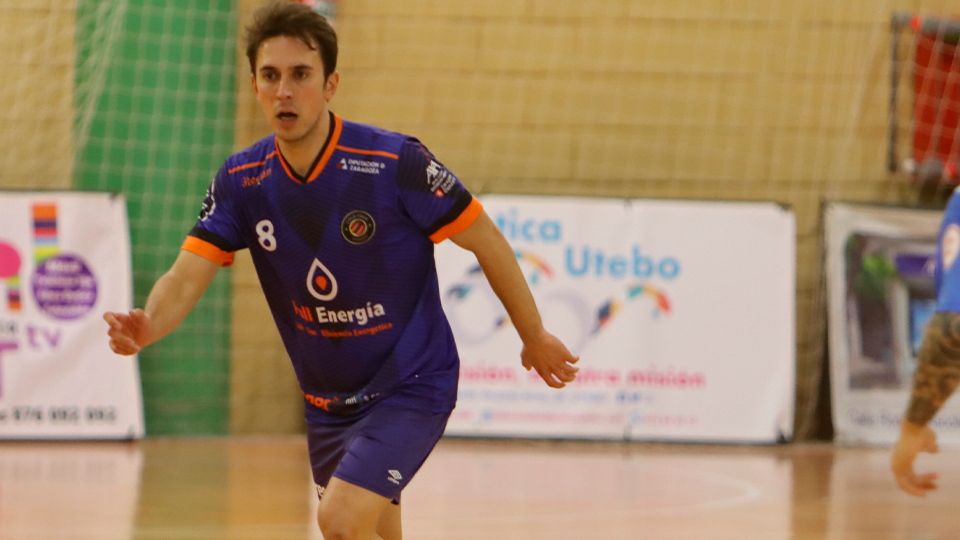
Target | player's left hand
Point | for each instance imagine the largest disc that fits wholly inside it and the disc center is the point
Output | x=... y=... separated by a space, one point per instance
x=913 y=440
x=551 y=359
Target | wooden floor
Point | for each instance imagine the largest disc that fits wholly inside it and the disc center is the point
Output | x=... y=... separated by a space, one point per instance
x=247 y=488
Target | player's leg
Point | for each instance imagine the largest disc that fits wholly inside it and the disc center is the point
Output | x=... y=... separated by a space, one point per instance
x=327 y=444
x=349 y=512
x=386 y=450
x=389 y=527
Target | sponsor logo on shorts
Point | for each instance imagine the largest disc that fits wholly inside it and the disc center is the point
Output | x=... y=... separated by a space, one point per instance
x=950 y=247
x=395 y=476
x=358 y=227
x=350 y=403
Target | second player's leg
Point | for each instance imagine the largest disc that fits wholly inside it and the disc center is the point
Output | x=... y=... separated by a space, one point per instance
x=349 y=512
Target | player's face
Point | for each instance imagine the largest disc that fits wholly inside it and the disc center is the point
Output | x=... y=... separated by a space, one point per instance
x=290 y=87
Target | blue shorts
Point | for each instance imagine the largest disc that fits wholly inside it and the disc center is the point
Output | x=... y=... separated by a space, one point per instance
x=380 y=450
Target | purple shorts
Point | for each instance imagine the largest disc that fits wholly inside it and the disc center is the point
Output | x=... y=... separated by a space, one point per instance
x=379 y=451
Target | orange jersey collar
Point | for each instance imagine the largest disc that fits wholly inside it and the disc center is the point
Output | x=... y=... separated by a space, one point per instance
x=327 y=152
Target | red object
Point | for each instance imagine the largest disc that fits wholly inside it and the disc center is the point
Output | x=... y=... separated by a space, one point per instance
x=937 y=107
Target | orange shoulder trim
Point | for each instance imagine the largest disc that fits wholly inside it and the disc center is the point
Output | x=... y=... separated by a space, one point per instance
x=457 y=226
x=368 y=152
x=254 y=164
x=207 y=251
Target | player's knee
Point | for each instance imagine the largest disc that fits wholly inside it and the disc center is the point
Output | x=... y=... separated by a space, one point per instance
x=338 y=525
x=340 y=531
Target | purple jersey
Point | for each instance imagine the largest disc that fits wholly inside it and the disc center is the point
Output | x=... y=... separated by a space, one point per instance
x=345 y=259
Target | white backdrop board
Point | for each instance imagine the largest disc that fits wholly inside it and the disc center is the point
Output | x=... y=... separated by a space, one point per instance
x=682 y=313
x=880 y=264
x=64 y=261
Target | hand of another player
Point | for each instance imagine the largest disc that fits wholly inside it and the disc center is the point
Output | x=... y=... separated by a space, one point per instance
x=128 y=331
x=551 y=360
x=913 y=440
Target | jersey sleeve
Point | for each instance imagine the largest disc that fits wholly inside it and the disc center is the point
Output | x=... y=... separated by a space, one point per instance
x=216 y=236
x=432 y=195
x=947 y=268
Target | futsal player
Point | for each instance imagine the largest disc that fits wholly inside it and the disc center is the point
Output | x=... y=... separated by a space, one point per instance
x=938 y=370
x=340 y=219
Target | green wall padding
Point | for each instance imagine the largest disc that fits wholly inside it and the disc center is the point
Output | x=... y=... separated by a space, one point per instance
x=155 y=109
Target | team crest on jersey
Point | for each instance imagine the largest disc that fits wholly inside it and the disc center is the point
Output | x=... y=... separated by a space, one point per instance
x=209 y=203
x=440 y=179
x=950 y=246
x=358 y=227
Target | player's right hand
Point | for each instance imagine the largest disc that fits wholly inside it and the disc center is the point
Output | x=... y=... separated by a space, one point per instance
x=128 y=331
x=913 y=440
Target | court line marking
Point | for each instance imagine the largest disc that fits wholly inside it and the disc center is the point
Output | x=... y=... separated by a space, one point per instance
x=748 y=492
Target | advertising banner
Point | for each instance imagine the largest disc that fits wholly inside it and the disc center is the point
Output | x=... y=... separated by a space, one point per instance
x=682 y=314
x=880 y=264
x=64 y=260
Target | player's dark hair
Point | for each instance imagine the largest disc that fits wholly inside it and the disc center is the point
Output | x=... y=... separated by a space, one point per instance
x=281 y=18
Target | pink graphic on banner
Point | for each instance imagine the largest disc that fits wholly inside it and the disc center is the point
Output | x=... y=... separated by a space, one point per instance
x=10 y=272
x=64 y=287
x=9 y=261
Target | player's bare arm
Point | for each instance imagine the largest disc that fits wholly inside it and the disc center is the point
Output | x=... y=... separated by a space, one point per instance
x=542 y=351
x=935 y=379
x=938 y=372
x=170 y=301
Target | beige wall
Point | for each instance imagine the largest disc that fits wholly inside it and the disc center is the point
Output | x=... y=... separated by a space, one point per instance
x=778 y=100
x=745 y=99
x=36 y=96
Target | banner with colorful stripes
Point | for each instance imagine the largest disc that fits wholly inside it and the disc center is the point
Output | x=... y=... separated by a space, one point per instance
x=64 y=260
x=682 y=313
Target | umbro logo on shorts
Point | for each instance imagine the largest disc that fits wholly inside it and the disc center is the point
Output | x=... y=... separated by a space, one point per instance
x=395 y=476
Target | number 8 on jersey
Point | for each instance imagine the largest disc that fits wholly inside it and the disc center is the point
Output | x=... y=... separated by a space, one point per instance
x=265 y=235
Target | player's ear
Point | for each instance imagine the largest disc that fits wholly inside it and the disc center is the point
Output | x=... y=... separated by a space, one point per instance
x=330 y=88
x=253 y=81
